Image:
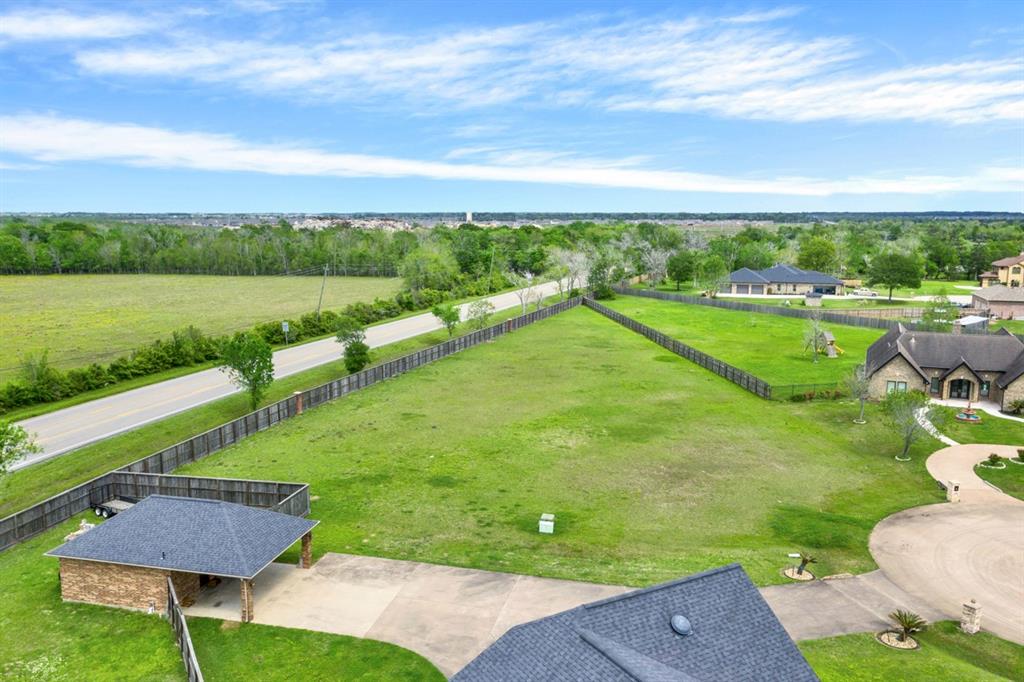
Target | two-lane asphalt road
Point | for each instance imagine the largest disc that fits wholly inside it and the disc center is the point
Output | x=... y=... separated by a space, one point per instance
x=64 y=430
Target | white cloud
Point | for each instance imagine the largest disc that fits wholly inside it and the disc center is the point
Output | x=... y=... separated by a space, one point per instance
x=51 y=139
x=55 y=25
x=736 y=66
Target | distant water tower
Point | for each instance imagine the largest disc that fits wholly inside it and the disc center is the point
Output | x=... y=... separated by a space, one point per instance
x=469 y=216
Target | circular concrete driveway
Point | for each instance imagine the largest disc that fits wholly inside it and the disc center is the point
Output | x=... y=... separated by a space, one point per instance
x=946 y=554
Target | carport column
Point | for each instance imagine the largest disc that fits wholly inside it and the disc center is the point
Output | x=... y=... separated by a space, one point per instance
x=306 y=560
x=247 y=601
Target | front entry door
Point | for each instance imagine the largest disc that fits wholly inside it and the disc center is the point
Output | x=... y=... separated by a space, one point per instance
x=960 y=388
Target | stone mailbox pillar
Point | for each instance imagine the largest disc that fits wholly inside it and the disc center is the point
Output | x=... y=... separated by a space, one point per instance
x=970 y=619
x=953 y=491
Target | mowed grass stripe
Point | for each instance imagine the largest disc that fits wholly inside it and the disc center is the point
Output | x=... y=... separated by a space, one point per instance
x=654 y=467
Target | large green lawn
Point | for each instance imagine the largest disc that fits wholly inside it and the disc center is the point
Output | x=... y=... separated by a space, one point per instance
x=654 y=467
x=33 y=484
x=44 y=638
x=93 y=318
x=769 y=346
x=945 y=654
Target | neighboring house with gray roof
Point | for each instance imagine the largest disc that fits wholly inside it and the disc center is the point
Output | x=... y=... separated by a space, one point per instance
x=1001 y=301
x=965 y=366
x=127 y=560
x=783 y=279
x=731 y=634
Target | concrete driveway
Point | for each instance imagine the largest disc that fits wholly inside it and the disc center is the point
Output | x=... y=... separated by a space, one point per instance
x=64 y=430
x=447 y=614
x=946 y=554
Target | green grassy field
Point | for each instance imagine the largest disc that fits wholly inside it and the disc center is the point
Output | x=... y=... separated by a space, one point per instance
x=229 y=651
x=769 y=346
x=654 y=467
x=945 y=654
x=95 y=318
x=33 y=484
x=43 y=638
x=989 y=430
x=1010 y=480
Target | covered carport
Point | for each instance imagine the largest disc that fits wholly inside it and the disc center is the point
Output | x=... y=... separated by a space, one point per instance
x=127 y=561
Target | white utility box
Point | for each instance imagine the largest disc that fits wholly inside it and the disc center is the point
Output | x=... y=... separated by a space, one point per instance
x=547 y=524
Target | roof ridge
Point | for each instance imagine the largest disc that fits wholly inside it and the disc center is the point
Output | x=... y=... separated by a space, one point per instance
x=636 y=664
x=228 y=521
x=661 y=586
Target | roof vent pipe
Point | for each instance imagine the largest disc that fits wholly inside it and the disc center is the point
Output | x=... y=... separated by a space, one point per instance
x=681 y=625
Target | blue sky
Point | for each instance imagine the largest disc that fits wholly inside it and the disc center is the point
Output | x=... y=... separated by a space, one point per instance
x=280 y=105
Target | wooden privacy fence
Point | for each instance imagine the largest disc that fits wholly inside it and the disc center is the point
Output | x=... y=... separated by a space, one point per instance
x=181 y=635
x=287 y=498
x=59 y=508
x=737 y=376
x=825 y=315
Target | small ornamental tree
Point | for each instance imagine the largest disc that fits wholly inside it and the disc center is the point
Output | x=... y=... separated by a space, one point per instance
x=15 y=443
x=248 y=361
x=805 y=559
x=859 y=387
x=907 y=623
x=479 y=312
x=352 y=337
x=448 y=315
x=904 y=411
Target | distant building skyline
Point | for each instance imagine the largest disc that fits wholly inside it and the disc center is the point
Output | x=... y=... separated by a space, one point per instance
x=598 y=106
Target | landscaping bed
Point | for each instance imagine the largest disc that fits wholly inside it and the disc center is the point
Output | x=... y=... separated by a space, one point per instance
x=1009 y=479
x=654 y=467
x=945 y=653
x=990 y=429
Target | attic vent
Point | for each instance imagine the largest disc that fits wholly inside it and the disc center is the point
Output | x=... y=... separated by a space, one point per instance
x=681 y=625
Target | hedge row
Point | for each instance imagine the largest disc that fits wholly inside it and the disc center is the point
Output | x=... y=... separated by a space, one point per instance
x=42 y=383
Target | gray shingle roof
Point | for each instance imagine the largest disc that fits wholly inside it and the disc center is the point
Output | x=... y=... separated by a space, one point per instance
x=782 y=274
x=192 y=535
x=1000 y=293
x=736 y=637
x=999 y=352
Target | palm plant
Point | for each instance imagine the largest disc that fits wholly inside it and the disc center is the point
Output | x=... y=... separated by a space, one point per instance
x=907 y=623
x=804 y=560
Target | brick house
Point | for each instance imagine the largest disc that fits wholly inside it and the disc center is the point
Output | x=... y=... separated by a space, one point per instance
x=784 y=280
x=1001 y=301
x=127 y=560
x=1006 y=271
x=987 y=367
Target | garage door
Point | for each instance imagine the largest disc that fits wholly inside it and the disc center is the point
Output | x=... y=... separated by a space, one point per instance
x=742 y=289
x=757 y=288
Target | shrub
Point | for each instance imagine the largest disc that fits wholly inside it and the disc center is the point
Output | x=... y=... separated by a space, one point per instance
x=1017 y=406
x=1020 y=454
x=357 y=356
x=993 y=459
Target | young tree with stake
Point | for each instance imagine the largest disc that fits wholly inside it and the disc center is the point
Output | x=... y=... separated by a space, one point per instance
x=859 y=387
x=904 y=411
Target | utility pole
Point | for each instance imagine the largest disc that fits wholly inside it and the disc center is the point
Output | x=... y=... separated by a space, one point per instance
x=323 y=283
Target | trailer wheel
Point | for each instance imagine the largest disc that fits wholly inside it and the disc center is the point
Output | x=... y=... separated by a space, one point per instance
x=96 y=511
x=105 y=513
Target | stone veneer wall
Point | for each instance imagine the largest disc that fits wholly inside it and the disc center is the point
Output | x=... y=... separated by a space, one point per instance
x=1014 y=391
x=897 y=369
